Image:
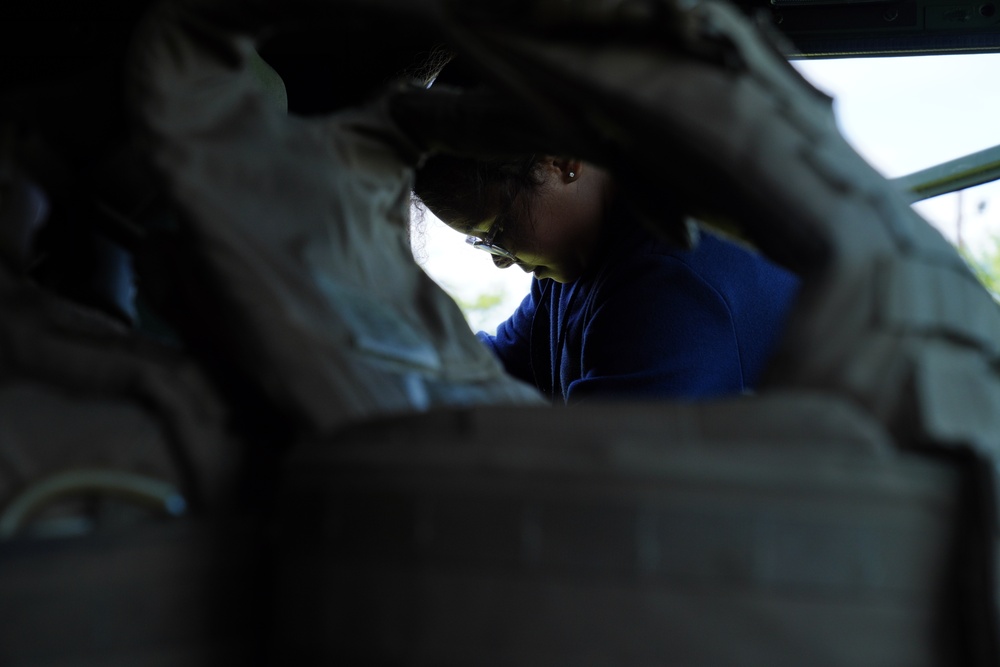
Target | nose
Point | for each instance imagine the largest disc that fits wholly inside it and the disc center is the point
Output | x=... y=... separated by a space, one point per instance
x=502 y=262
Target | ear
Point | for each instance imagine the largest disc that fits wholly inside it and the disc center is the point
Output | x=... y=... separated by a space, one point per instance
x=568 y=168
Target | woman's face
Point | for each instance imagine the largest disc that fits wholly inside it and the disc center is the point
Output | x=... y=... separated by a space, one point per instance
x=556 y=234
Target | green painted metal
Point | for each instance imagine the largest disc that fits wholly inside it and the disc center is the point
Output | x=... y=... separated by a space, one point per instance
x=958 y=174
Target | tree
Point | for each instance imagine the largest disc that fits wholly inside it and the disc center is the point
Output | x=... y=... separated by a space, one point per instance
x=986 y=265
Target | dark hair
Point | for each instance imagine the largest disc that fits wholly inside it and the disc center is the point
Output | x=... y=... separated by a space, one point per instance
x=465 y=191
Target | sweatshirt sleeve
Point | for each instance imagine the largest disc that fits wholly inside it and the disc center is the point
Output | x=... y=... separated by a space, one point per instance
x=512 y=342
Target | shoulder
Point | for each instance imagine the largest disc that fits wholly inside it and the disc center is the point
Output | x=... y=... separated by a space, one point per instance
x=652 y=271
x=722 y=263
x=645 y=263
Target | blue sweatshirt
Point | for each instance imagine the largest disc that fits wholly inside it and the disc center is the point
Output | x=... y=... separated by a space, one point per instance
x=650 y=321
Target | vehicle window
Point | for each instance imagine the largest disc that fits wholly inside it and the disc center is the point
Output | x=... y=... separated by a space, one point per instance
x=907 y=114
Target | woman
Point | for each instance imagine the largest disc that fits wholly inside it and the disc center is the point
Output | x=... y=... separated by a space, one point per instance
x=613 y=310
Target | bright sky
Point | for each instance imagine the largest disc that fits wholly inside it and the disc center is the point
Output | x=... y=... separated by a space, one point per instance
x=907 y=114
x=900 y=114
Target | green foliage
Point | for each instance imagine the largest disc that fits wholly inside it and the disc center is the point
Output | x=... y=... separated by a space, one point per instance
x=986 y=265
x=482 y=308
x=482 y=302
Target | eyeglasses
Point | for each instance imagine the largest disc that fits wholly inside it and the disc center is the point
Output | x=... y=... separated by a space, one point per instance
x=487 y=243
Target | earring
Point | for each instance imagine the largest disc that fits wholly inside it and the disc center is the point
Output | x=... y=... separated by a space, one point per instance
x=572 y=175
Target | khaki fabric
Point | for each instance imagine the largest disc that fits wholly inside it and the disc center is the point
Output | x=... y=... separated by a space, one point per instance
x=299 y=230
x=80 y=393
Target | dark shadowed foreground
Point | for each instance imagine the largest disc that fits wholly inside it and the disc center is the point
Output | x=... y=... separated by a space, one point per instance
x=238 y=424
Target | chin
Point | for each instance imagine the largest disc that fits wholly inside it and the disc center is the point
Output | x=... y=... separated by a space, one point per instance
x=557 y=277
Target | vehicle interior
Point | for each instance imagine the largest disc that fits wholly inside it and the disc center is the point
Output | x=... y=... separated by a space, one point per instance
x=239 y=424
